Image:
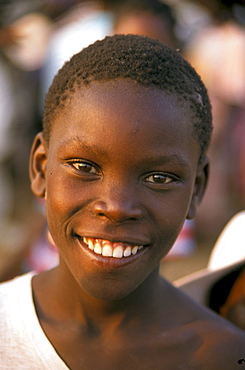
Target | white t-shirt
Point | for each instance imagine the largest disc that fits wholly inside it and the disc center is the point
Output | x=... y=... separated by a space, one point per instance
x=23 y=343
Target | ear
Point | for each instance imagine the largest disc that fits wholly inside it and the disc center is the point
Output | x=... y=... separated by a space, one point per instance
x=37 y=167
x=199 y=188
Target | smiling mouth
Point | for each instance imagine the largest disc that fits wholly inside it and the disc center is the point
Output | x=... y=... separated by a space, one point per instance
x=108 y=249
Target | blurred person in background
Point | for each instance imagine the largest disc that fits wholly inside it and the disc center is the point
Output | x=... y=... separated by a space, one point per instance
x=23 y=37
x=25 y=28
x=152 y=18
x=218 y=54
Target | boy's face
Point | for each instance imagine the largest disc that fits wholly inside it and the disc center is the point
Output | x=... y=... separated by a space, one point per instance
x=122 y=171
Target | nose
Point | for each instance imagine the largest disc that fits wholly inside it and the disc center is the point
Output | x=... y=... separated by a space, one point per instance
x=118 y=205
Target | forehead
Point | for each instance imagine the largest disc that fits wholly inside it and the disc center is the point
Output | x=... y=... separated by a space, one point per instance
x=125 y=95
x=124 y=109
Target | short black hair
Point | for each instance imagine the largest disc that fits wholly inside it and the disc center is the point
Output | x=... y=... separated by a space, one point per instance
x=147 y=62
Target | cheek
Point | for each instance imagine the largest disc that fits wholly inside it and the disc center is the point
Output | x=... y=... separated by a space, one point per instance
x=65 y=198
x=61 y=194
x=169 y=214
x=58 y=203
x=170 y=208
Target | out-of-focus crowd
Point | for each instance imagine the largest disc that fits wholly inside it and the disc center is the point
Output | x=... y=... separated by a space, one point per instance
x=38 y=36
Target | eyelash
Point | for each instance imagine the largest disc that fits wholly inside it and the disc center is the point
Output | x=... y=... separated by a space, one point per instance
x=86 y=165
x=167 y=178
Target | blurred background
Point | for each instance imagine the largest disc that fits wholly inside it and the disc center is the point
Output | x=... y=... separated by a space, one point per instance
x=38 y=36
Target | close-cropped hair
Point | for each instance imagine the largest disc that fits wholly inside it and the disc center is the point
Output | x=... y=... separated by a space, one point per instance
x=138 y=58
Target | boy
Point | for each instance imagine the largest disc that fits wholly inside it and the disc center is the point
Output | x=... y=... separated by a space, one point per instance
x=121 y=162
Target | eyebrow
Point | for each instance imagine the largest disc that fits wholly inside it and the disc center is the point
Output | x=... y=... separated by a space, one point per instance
x=80 y=143
x=174 y=159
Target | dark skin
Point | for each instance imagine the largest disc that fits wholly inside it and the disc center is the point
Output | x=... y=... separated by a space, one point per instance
x=127 y=172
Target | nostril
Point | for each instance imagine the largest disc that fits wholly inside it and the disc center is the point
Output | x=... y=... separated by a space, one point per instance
x=101 y=214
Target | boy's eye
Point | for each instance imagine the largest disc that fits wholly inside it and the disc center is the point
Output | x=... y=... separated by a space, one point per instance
x=85 y=167
x=158 y=178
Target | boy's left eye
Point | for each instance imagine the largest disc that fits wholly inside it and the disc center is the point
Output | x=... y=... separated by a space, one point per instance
x=158 y=178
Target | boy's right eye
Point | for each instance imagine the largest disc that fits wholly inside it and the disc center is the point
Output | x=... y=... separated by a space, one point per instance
x=85 y=167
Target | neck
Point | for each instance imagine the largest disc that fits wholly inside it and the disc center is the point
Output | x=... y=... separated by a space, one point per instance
x=65 y=299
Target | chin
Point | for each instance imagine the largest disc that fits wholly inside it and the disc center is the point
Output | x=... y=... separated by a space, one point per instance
x=108 y=291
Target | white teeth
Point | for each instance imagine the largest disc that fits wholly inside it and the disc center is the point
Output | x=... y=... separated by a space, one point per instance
x=135 y=250
x=107 y=251
x=105 y=248
x=127 y=252
x=90 y=244
x=118 y=252
x=97 y=248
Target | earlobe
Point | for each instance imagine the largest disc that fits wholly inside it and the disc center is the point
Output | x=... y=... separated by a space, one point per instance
x=199 y=188
x=37 y=167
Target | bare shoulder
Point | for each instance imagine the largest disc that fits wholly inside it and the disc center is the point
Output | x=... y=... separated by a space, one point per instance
x=221 y=344
x=193 y=338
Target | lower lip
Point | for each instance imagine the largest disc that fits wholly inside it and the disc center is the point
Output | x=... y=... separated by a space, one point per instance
x=111 y=262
